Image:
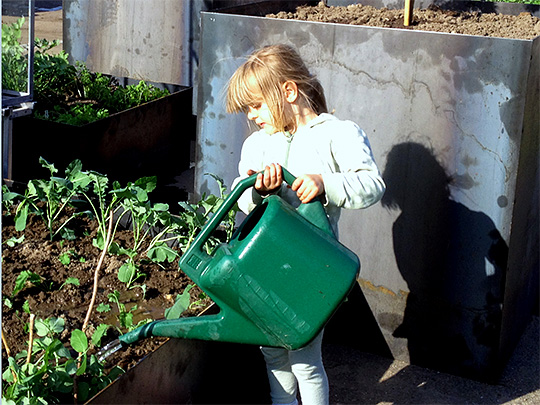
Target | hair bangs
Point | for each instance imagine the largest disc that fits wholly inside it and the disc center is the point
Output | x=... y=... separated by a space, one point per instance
x=240 y=94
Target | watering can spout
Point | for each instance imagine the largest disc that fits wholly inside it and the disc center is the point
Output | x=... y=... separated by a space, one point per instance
x=190 y=328
x=224 y=327
x=276 y=282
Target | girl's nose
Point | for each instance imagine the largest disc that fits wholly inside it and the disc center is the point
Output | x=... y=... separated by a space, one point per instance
x=252 y=113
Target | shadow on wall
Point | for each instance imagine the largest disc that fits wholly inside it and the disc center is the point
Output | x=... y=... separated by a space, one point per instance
x=454 y=262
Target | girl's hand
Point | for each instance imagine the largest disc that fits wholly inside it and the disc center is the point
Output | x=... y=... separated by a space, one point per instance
x=268 y=181
x=308 y=186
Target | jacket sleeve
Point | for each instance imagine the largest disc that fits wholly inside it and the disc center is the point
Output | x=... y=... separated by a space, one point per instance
x=355 y=181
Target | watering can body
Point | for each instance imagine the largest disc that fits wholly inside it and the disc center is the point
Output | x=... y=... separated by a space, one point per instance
x=277 y=281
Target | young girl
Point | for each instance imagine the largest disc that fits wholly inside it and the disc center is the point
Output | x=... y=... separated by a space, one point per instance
x=329 y=157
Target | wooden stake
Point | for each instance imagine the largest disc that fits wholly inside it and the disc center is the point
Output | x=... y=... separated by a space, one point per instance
x=6 y=346
x=31 y=341
x=96 y=272
x=4 y=341
x=408 y=14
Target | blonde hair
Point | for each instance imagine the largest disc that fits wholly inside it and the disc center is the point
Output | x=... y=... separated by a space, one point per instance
x=269 y=68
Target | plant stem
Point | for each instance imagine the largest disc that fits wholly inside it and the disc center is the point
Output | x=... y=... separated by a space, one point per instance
x=96 y=272
x=31 y=341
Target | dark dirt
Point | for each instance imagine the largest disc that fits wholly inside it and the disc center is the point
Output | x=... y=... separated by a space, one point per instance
x=40 y=255
x=523 y=26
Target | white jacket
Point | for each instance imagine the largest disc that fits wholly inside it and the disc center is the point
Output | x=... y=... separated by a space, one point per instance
x=338 y=150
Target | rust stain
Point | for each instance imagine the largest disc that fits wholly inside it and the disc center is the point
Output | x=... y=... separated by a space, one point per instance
x=370 y=286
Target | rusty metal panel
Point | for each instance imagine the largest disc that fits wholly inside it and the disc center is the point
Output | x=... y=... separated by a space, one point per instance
x=445 y=114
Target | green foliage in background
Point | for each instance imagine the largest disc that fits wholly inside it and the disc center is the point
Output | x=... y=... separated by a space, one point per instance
x=65 y=93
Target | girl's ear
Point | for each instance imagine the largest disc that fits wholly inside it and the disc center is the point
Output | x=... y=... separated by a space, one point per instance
x=290 y=90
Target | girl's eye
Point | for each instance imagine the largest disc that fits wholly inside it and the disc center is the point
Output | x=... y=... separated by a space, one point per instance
x=256 y=106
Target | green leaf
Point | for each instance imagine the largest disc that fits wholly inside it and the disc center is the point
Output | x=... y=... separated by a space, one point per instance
x=161 y=253
x=65 y=259
x=147 y=183
x=47 y=165
x=60 y=381
x=7 y=376
x=52 y=326
x=101 y=330
x=99 y=241
x=42 y=328
x=57 y=324
x=20 y=217
x=83 y=391
x=82 y=369
x=103 y=307
x=13 y=240
x=71 y=366
x=161 y=207
x=126 y=272
x=71 y=280
x=79 y=342
x=180 y=305
x=24 y=277
x=63 y=352
x=8 y=303
x=67 y=234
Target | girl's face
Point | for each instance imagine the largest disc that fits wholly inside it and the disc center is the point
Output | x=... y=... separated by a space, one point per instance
x=258 y=110
x=262 y=116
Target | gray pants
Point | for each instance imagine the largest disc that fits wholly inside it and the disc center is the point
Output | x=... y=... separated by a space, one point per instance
x=290 y=370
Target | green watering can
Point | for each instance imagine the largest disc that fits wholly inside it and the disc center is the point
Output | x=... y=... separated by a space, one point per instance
x=277 y=282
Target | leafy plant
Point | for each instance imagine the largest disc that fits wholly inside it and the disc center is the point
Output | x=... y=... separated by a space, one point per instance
x=72 y=281
x=158 y=235
x=195 y=216
x=125 y=316
x=65 y=93
x=50 y=198
x=14 y=65
x=143 y=216
x=65 y=258
x=23 y=279
x=47 y=373
x=14 y=241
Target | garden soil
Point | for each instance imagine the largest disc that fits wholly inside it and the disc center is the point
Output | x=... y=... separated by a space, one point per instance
x=522 y=26
x=400 y=383
x=52 y=298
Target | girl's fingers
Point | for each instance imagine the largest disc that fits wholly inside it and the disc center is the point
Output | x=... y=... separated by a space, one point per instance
x=272 y=176
x=307 y=187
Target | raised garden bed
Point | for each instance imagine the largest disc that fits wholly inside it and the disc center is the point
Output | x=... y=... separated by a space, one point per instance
x=453 y=121
x=55 y=237
x=153 y=139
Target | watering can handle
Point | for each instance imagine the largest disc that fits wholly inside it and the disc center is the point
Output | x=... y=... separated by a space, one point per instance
x=313 y=211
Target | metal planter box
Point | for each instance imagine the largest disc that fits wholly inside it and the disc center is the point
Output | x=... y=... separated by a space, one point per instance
x=450 y=260
x=153 y=139
x=192 y=372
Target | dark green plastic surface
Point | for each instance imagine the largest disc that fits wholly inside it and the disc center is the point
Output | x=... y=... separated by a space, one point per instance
x=277 y=282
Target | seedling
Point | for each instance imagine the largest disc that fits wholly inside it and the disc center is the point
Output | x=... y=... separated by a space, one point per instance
x=125 y=317
x=24 y=279
x=72 y=281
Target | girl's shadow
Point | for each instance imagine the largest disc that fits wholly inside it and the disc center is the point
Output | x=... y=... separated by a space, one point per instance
x=454 y=262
